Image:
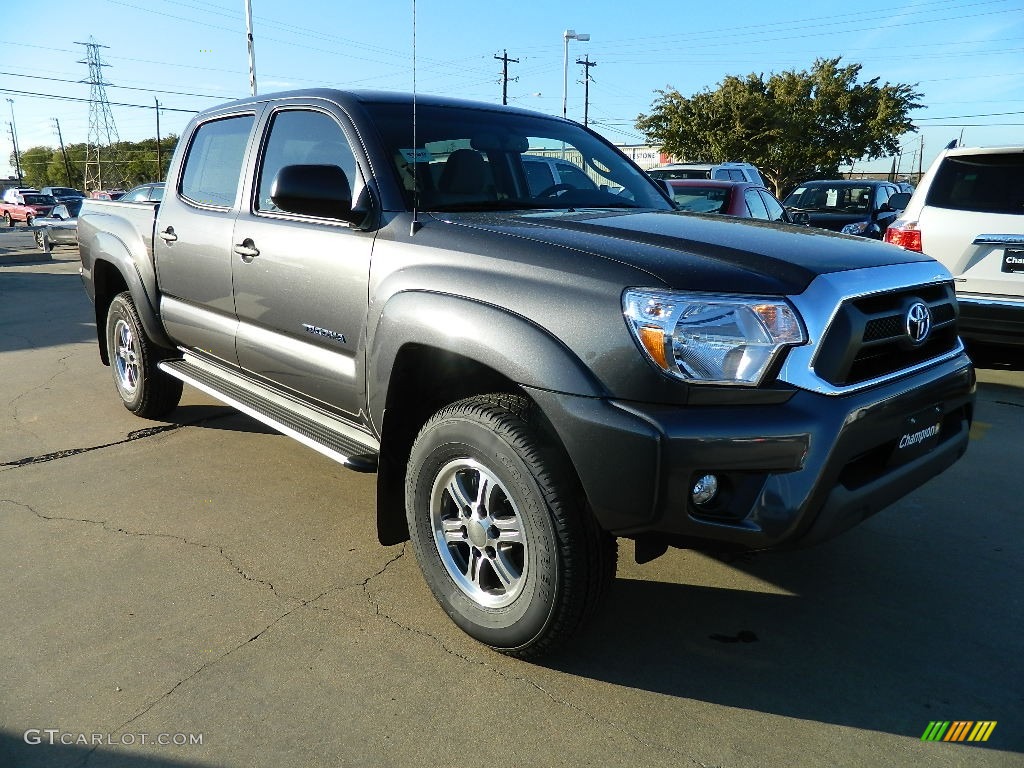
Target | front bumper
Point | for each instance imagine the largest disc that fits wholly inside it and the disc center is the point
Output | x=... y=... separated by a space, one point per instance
x=792 y=474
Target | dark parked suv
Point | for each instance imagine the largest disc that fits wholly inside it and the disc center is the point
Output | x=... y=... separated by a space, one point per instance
x=853 y=207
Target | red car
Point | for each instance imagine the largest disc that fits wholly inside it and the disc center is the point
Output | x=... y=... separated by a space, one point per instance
x=732 y=198
x=26 y=206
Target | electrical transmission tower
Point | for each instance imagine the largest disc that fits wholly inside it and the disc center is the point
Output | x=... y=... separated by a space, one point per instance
x=102 y=130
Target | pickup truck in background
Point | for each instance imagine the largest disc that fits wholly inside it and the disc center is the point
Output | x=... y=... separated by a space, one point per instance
x=25 y=207
x=530 y=372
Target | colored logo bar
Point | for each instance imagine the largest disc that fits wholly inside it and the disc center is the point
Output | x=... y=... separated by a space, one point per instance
x=959 y=730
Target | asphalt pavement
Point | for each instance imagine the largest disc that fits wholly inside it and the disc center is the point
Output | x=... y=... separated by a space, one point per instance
x=205 y=592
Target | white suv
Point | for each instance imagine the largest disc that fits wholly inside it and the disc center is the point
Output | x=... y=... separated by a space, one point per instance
x=724 y=171
x=968 y=212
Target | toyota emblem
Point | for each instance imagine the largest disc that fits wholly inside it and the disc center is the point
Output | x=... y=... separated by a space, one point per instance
x=919 y=322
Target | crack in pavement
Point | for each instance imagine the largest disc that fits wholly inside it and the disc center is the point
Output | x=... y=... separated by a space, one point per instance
x=304 y=603
x=137 y=434
x=619 y=727
x=127 y=532
x=12 y=407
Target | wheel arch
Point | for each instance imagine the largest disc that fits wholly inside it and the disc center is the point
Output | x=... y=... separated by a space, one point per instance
x=435 y=350
x=112 y=273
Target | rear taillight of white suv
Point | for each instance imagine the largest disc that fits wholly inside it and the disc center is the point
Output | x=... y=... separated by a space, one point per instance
x=905 y=234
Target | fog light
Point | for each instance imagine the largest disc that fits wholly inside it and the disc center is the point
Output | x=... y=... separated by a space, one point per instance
x=704 y=490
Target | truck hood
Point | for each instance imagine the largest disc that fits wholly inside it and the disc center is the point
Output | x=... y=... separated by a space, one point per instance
x=693 y=251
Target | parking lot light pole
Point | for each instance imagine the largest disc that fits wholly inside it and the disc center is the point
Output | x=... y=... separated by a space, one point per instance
x=569 y=34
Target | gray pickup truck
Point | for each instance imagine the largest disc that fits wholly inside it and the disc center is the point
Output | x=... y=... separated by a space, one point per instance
x=531 y=369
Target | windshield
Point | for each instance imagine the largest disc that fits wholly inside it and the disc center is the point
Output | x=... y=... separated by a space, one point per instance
x=831 y=198
x=473 y=159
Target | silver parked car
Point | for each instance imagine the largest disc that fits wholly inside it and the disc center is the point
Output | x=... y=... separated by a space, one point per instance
x=60 y=227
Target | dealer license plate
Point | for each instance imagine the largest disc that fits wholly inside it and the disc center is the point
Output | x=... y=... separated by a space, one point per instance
x=1013 y=260
x=920 y=434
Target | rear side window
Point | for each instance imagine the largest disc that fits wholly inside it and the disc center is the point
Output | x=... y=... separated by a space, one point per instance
x=755 y=205
x=214 y=163
x=986 y=183
x=775 y=211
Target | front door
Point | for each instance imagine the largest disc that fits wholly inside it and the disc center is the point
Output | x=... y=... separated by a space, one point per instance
x=300 y=282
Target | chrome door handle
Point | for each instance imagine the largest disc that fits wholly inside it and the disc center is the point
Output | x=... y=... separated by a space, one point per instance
x=168 y=235
x=247 y=250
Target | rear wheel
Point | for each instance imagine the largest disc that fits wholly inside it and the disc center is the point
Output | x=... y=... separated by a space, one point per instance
x=500 y=531
x=8 y=221
x=39 y=240
x=145 y=390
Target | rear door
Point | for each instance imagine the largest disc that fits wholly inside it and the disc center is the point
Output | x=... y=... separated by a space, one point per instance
x=301 y=282
x=192 y=243
x=973 y=222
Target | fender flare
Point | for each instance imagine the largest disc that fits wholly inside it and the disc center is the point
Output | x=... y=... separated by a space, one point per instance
x=109 y=248
x=509 y=344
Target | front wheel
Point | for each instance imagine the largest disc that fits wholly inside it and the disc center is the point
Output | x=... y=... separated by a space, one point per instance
x=39 y=240
x=145 y=390
x=8 y=221
x=500 y=529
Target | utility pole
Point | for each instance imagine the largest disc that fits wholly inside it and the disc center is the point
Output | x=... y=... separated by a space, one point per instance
x=587 y=64
x=252 y=46
x=504 y=59
x=14 y=140
x=920 y=162
x=159 y=154
x=63 y=151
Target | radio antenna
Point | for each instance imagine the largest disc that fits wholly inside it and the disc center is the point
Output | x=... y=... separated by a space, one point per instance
x=414 y=227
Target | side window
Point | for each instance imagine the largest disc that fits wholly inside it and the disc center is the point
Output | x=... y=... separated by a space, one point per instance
x=214 y=163
x=881 y=196
x=538 y=175
x=303 y=137
x=139 y=195
x=755 y=206
x=572 y=175
x=775 y=210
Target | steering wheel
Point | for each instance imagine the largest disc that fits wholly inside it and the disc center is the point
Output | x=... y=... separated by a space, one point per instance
x=554 y=189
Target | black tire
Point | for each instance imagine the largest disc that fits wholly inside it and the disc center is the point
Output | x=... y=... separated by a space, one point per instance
x=8 y=221
x=542 y=564
x=39 y=240
x=145 y=390
x=29 y=220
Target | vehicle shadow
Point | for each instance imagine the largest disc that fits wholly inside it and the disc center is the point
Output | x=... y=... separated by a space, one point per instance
x=222 y=417
x=873 y=631
x=999 y=358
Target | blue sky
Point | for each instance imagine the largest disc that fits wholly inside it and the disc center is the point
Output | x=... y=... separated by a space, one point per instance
x=966 y=55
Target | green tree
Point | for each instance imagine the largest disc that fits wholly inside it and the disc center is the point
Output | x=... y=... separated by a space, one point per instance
x=127 y=162
x=793 y=126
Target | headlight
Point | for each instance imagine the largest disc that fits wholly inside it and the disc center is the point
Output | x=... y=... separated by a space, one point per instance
x=711 y=338
x=857 y=228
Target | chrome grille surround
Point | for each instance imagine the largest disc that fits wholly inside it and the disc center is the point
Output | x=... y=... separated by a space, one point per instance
x=823 y=300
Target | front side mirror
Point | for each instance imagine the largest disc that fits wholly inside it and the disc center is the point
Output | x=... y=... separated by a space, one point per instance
x=315 y=190
x=802 y=218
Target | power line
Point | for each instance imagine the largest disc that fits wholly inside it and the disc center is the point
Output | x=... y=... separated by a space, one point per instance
x=126 y=87
x=38 y=95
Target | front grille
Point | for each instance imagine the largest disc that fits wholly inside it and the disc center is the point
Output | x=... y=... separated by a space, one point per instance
x=868 y=339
